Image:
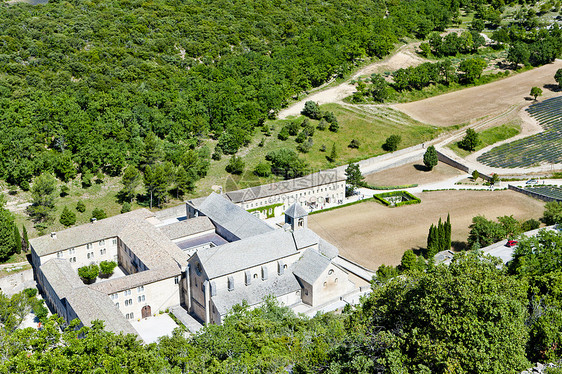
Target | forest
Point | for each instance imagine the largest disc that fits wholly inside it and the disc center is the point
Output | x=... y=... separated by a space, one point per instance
x=83 y=83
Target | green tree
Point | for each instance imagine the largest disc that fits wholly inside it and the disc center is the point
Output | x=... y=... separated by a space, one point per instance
x=430 y=158
x=67 y=217
x=235 y=165
x=107 y=268
x=475 y=175
x=470 y=140
x=126 y=207
x=411 y=262
x=89 y=273
x=43 y=197
x=466 y=317
x=131 y=179
x=552 y=214
x=391 y=143
x=472 y=69
x=263 y=169
x=285 y=162
x=98 y=214
x=152 y=151
x=65 y=168
x=24 y=240
x=378 y=88
x=17 y=240
x=535 y=92
x=484 y=232
x=518 y=53
x=354 y=178
x=155 y=182
x=312 y=110
x=558 y=77
x=80 y=206
x=185 y=181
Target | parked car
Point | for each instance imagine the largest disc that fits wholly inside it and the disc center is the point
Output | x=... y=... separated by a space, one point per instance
x=532 y=181
x=511 y=243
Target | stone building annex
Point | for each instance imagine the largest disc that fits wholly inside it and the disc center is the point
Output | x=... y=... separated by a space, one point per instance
x=215 y=257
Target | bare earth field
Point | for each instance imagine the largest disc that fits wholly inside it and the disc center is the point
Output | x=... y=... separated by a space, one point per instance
x=372 y=234
x=476 y=102
x=413 y=173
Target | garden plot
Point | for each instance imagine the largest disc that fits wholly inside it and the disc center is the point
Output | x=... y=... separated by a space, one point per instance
x=554 y=192
x=539 y=149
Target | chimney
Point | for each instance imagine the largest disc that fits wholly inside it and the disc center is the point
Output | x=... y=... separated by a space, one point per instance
x=53 y=235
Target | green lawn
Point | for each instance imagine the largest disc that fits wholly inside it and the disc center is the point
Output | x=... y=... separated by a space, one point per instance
x=369 y=125
x=491 y=136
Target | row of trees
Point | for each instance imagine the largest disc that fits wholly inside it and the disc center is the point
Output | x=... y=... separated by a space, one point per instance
x=439 y=237
x=11 y=241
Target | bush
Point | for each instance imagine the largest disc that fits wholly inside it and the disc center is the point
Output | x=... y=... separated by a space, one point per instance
x=98 y=214
x=217 y=154
x=312 y=110
x=391 y=143
x=107 y=268
x=322 y=125
x=30 y=292
x=305 y=147
x=235 y=165
x=89 y=273
x=40 y=310
x=263 y=169
x=64 y=190
x=334 y=126
x=80 y=206
x=354 y=144
x=67 y=217
x=283 y=134
x=530 y=224
x=126 y=207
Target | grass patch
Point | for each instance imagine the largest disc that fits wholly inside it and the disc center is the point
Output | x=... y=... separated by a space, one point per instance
x=491 y=136
x=407 y=198
x=368 y=125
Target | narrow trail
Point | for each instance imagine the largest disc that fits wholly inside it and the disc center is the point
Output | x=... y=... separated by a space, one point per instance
x=403 y=57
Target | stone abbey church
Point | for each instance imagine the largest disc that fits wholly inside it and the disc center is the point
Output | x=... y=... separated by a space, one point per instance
x=216 y=256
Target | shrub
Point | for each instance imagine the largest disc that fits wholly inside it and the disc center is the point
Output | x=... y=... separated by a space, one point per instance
x=261 y=143
x=530 y=224
x=283 y=134
x=334 y=126
x=391 y=143
x=64 y=190
x=354 y=144
x=98 y=214
x=235 y=165
x=217 y=154
x=301 y=137
x=30 y=292
x=107 y=268
x=322 y=125
x=80 y=206
x=305 y=147
x=40 y=310
x=126 y=207
x=89 y=273
x=67 y=217
x=312 y=110
x=263 y=169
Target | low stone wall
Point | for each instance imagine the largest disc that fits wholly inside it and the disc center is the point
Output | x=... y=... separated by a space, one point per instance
x=449 y=161
x=536 y=195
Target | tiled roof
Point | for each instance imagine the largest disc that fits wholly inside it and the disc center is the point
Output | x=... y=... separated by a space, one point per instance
x=272 y=189
x=310 y=266
x=188 y=227
x=254 y=293
x=296 y=211
x=233 y=218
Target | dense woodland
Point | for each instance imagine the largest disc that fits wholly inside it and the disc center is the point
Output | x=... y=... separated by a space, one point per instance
x=82 y=83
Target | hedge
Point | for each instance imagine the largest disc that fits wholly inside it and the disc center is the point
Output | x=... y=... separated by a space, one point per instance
x=412 y=199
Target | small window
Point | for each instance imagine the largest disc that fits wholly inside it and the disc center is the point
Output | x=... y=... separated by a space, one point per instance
x=336 y=280
x=177 y=280
x=89 y=246
x=114 y=296
x=331 y=271
x=117 y=305
x=325 y=284
x=140 y=288
x=102 y=242
x=255 y=276
x=127 y=292
x=114 y=241
x=71 y=251
x=59 y=254
x=102 y=251
x=141 y=298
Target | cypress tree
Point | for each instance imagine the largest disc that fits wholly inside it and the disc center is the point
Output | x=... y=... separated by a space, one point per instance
x=17 y=240
x=440 y=236
x=25 y=240
x=448 y=231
